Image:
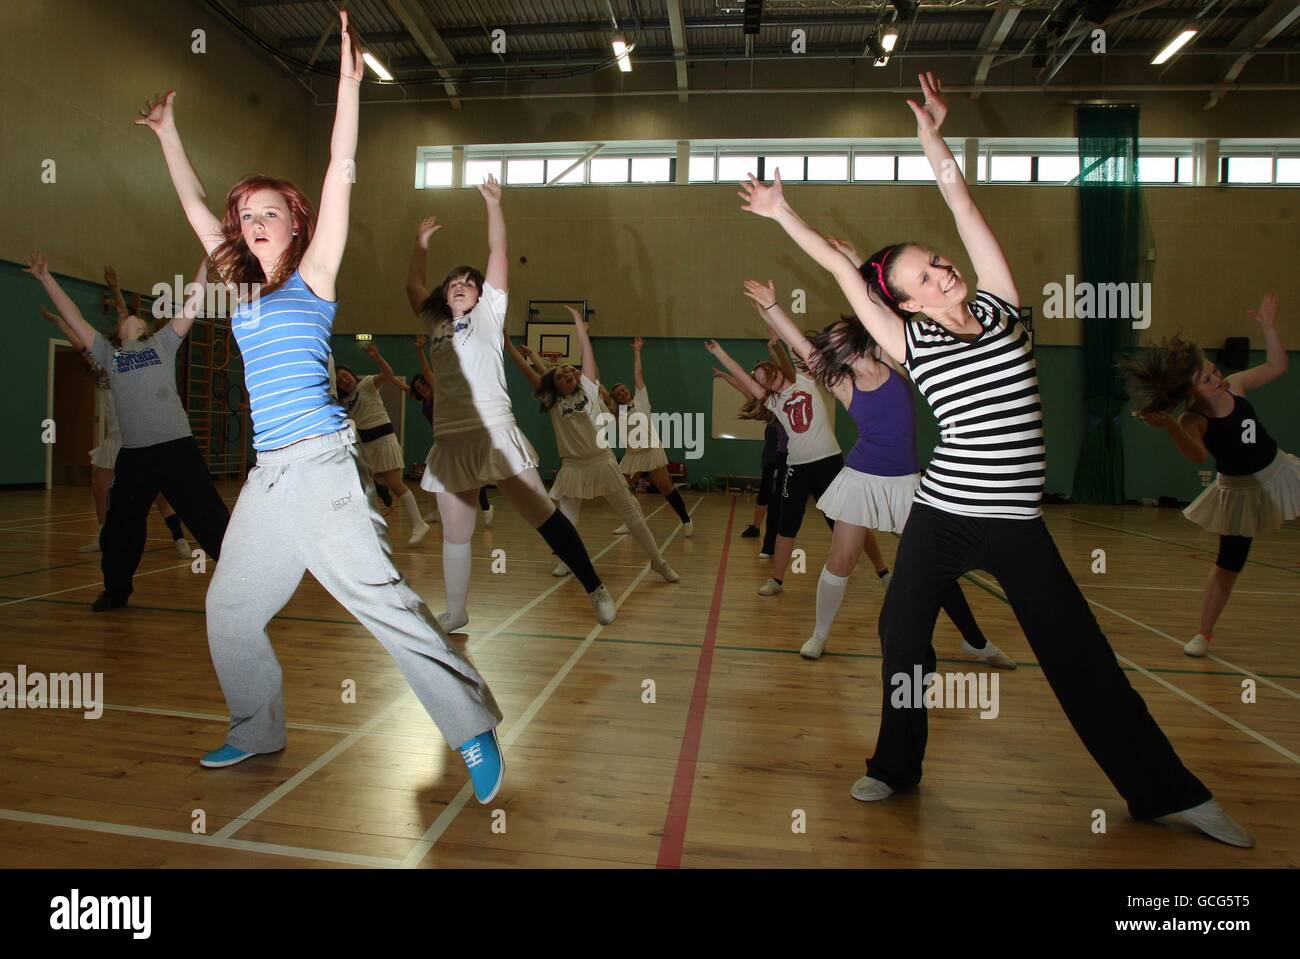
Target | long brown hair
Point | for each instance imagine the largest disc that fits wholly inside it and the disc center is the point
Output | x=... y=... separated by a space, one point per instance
x=756 y=409
x=1163 y=377
x=436 y=302
x=234 y=262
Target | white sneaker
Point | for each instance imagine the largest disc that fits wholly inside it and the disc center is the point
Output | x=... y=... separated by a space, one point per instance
x=762 y=555
x=1210 y=819
x=432 y=518
x=182 y=548
x=603 y=604
x=452 y=624
x=418 y=533
x=488 y=514
x=91 y=547
x=990 y=654
x=621 y=530
x=814 y=648
x=1197 y=646
x=666 y=571
x=561 y=569
x=688 y=528
x=867 y=789
x=770 y=588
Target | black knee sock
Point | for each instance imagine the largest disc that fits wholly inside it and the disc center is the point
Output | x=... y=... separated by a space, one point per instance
x=675 y=501
x=174 y=524
x=482 y=498
x=565 y=543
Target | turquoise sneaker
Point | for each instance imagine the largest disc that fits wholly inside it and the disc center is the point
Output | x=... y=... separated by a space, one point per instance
x=487 y=768
x=227 y=755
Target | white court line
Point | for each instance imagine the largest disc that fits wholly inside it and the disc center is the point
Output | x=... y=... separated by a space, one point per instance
x=1188 y=696
x=73 y=589
x=337 y=749
x=1295 y=594
x=43 y=516
x=225 y=720
x=448 y=815
x=55 y=532
x=167 y=835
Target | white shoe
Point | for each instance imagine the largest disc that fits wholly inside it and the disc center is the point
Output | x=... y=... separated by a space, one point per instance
x=666 y=571
x=418 y=533
x=764 y=555
x=990 y=654
x=814 y=648
x=453 y=625
x=182 y=548
x=91 y=547
x=621 y=530
x=688 y=528
x=884 y=580
x=603 y=604
x=432 y=518
x=1197 y=646
x=1210 y=819
x=770 y=588
x=488 y=514
x=867 y=789
x=561 y=569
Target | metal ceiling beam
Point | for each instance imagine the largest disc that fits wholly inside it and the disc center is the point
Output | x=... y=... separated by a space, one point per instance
x=425 y=34
x=677 y=27
x=1261 y=31
x=999 y=25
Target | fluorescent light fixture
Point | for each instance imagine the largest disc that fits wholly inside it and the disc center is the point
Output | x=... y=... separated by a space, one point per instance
x=1176 y=44
x=621 y=54
x=376 y=66
x=364 y=337
x=888 y=40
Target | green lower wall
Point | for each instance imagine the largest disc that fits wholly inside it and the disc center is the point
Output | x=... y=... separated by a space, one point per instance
x=679 y=378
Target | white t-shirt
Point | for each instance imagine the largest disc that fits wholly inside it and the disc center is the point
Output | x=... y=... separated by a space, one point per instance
x=366 y=406
x=576 y=427
x=466 y=358
x=639 y=424
x=803 y=414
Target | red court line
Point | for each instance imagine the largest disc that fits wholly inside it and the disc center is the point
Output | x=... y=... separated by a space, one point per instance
x=679 y=806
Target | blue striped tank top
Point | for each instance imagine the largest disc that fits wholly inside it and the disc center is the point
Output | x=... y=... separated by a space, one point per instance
x=285 y=339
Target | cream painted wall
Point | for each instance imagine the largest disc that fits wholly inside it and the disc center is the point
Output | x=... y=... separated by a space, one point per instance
x=73 y=73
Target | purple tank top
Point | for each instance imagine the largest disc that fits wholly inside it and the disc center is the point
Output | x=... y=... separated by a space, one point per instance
x=886 y=425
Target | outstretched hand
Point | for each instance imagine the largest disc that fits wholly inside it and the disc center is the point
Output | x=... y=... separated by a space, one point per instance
x=720 y=375
x=421 y=341
x=157 y=114
x=930 y=114
x=38 y=267
x=712 y=346
x=760 y=198
x=637 y=343
x=427 y=228
x=110 y=276
x=352 y=66
x=1162 y=421
x=845 y=248
x=491 y=190
x=764 y=296
x=1266 y=315
x=579 y=320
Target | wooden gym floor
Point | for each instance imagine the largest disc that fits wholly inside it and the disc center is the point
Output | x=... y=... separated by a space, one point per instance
x=743 y=734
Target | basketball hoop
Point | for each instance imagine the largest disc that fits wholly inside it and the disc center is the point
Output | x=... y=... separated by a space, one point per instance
x=552 y=359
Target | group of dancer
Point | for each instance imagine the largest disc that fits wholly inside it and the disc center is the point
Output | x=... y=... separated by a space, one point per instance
x=307 y=506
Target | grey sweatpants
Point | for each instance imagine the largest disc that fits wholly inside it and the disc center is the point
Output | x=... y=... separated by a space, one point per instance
x=307 y=508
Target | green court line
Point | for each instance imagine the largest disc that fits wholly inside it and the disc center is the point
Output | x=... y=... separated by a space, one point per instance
x=1170 y=542
x=670 y=645
x=84 y=562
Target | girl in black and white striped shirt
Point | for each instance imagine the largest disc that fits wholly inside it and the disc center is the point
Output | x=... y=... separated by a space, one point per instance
x=979 y=502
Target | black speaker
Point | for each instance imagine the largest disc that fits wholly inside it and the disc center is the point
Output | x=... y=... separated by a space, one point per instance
x=1235 y=354
x=753 y=17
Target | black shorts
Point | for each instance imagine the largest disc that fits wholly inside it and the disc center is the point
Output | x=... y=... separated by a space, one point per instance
x=770 y=484
x=802 y=481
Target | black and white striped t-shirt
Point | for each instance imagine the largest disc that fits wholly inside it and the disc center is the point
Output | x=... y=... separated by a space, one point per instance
x=990 y=460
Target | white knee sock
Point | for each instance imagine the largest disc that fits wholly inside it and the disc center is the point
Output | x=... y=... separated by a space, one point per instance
x=455 y=574
x=571 y=507
x=625 y=505
x=830 y=594
x=412 y=508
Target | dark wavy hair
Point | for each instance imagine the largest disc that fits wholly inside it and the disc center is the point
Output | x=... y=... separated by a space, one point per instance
x=836 y=348
x=436 y=303
x=1163 y=377
x=877 y=271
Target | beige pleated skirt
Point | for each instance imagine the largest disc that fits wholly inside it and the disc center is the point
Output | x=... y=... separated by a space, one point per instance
x=588 y=479
x=466 y=461
x=1250 y=505
x=863 y=499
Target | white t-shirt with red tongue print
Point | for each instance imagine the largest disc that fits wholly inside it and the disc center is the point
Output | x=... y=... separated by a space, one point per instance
x=803 y=414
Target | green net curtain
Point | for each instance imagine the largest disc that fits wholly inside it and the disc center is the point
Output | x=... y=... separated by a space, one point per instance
x=1112 y=241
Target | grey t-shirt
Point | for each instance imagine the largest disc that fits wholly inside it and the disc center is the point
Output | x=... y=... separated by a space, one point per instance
x=142 y=375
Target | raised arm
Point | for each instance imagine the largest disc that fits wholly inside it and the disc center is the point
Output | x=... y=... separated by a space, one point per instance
x=1187 y=432
x=881 y=322
x=68 y=332
x=1276 y=361
x=769 y=308
x=385 y=370
x=193 y=303
x=498 y=266
x=847 y=250
x=982 y=246
x=740 y=379
x=730 y=380
x=533 y=376
x=425 y=370
x=159 y=117
x=416 y=291
x=320 y=264
x=584 y=343
x=83 y=334
x=638 y=377
x=119 y=302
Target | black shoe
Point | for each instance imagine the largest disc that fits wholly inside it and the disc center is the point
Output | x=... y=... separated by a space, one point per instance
x=106 y=601
x=750 y=532
x=384 y=495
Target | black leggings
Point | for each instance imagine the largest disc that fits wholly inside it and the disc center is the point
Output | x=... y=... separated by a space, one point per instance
x=482 y=498
x=175 y=469
x=773 y=480
x=768 y=483
x=1077 y=661
x=1233 y=551
x=802 y=481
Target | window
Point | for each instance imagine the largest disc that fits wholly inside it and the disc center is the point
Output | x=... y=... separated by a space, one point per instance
x=914 y=168
x=872 y=167
x=1057 y=168
x=1246 y=169
x=557 y=165
x=1288 y=169
x=477 y=170
x=828 y=167
x=736 y=167
x=519 y=172
x=1157 y=169
x=652 y=169
x=791 y=167
x=609 y=169
x=703 y=168
x=437 y=173
x=1004 y=168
